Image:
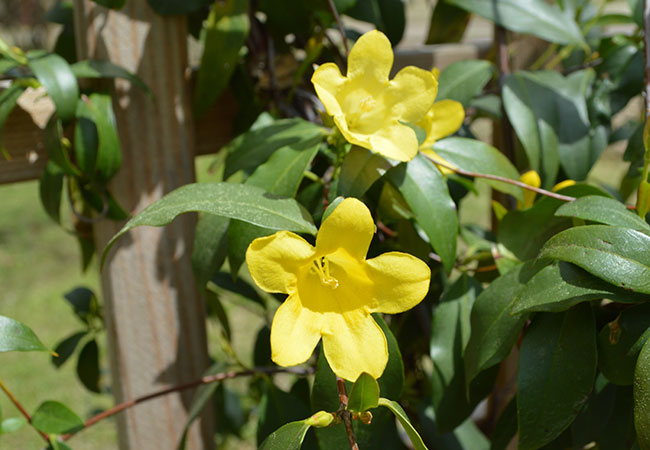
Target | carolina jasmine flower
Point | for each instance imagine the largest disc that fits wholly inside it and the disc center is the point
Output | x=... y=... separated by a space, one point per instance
x=531 y=178
x=367 y=107
x=443 y=119
x=332 y=290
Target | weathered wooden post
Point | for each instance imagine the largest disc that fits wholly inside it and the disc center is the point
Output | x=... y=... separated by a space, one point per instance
x=154 y=315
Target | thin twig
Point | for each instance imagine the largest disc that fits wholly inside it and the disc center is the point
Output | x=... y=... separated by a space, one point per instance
x=345 y=414
x=22 y=410
x=340 y=25
x=181 y=387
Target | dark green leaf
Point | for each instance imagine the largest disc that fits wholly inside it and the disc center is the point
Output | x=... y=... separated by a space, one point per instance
x=360 y=169
x=620 y=256
x=425 y=191
x=397 y=410
x=16 y=337
x=506 y=427
x=561 y=285
x=262 y=349
x=603 y=210
x=477 y=156
x=240 y=236
x=109 y=153
x=642 y=397
x=557 y=367
x=237 y=201
x=88 y=366
x=175 y=7
x=464 y=80
x=215 y=308
x=66 y=348
x=56 y=418
x=393 y=19
x=364 y=394
x=112 y=4
x=86 y=139
x=466 y=436
x=8 y=98
x=57 y=152
x=287 y=437
x=616 y=358
x=92 y=68
x=448 y=24
x=277 y=408
x=534 y=17
x=209 y=251
x=224 y=32
x=241 y=287
x=54 y=73
x=83 y=302
x=50 y=188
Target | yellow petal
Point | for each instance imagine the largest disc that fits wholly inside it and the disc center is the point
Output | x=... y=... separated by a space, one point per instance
x=395 y=141
x=294 y=333
x=531 y=178
x=433 y=156
x=411 y=93
x=562 y=184
x=371 y=57
x=350 y=227
x=274 y=261
x=444 y=118
x=355 y=344
x=328 y=81
x=400 y=281
x=360 y=139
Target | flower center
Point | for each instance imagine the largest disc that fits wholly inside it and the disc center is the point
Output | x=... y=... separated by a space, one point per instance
x=367 y=104
x=322 y=268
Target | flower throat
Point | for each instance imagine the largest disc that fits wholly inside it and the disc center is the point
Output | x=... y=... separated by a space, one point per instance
x=322 y=267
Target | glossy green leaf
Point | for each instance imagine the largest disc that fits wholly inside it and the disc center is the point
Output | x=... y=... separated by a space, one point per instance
x=559 y=286
x=66 y=348
x=56 y=150
x=109 y=152
x=251 y=149
x=620 y=256
x=50 y=189
x=603 y=210
x=397 y=410
x=534 y=17
x=17 y=337
x=642 y=397
x=287 y=437
x=557 y=367
x=56 y=418
x=99 y=68
x=86 y=140
x=224 y=32
x=426 y=193
x=276 y=408
x=8 y=98
x=360 y=169
x=616 y=356
x=175 y=7
x=12 y=424
x=88 y=369
x=479 y=157
x=55 y=74
x=448 y=24
x=364 y=394
x=210 y=247
x=464 y=80
x=83 y=302
x=494 y=329
x=237 y=201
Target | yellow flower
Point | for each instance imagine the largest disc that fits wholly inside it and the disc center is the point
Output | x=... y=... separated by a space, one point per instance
x=332 y=290
x=444 y=118
x=531 y=178
x=367 y=107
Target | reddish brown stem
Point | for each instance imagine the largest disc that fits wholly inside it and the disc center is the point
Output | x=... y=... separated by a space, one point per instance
x=345 y=414
x=22 y=410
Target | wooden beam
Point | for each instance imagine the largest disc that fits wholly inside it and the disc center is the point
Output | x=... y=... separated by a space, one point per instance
x=155 y=319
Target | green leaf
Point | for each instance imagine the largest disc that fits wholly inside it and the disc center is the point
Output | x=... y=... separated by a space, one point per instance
x=642 y=397
x=66 y=348
x=241 y=287
x=425 y=191
x=86 y=140
x=479 y=157
x=12 y=424
x=397 y=410
x=506 y=427
x=620 y=256
x=17 y=337
x=360 y=169
x=494 y=329
x=112 y=4
x=364 y=394
x=559 y=286
x=616 y=355
x=465 y=436
x=223 y=34
x=287 y=437
x=209 y=250
x=448 y=24
x=464 y=80
x=8 y=99
x=57 y=152
x=393 y=19
x=237 y=201
x=603 y=210
x=83 y=302
x=251 y=149
x=175 y=7
x=88 y=369
x=50 y=189
x=109 y=153
x=534 y=17
x=54 y=73
x=56 y=418
x=93 y=68
x=557 y=367
x=277 y=407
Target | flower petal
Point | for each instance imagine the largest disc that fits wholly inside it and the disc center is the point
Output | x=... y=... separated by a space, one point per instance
x=294 y=333
x=400 y=281
x=411 y=93
x=445 y=118
x=274 y=261
x=328 y=81
x=371 y=57
x=350 y=227
x=355 y=344
x=395 y=141
x=360 y=139
x=436 y=157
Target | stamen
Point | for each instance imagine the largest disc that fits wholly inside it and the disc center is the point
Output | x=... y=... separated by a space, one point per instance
x=323 y=270
x=367 y=104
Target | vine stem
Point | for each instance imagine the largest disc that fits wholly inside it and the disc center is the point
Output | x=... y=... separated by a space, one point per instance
x=345 y=414
x=339 y=24
x=22 y=410
x=181 y=387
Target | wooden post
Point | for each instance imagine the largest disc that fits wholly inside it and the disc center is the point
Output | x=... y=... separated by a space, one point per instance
x=155 y=318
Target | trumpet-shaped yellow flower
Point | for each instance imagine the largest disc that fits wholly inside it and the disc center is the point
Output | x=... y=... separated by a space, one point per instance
x=367 y=107
x=332 y=290
x=444 y=118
